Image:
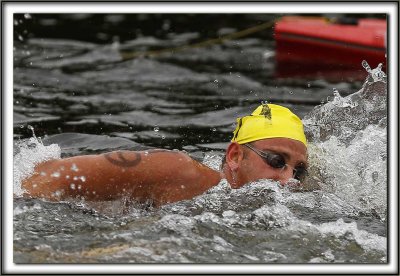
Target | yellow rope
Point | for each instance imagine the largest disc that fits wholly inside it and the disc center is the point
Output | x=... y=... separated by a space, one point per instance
x=263 y=26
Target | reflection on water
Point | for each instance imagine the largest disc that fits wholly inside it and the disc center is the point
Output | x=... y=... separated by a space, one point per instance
x=81 y=97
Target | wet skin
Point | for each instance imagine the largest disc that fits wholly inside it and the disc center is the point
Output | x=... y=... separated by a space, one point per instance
x=159 y=176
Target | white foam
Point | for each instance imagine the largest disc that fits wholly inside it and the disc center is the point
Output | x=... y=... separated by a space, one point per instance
x=213 y=161
x=357 y=172
x=349 y=231
x=31 y=152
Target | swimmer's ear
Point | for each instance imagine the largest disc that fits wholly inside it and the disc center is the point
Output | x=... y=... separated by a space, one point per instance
x=234 y=156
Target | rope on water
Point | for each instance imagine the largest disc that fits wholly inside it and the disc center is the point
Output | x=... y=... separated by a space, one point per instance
x=214 y=41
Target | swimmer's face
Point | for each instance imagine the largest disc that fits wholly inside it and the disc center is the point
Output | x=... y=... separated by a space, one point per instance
x=281 y=159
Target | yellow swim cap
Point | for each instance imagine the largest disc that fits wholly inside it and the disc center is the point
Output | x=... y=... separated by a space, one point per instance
x=269 y=121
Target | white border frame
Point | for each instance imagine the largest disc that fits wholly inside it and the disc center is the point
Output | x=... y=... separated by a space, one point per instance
x=310 y=7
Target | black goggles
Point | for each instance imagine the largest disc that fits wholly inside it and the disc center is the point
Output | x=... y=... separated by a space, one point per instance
x=277 y=161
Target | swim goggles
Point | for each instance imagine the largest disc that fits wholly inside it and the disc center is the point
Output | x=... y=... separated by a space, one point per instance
x=277 y=161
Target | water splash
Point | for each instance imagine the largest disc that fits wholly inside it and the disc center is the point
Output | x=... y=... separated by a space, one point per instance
x=263 y=206
x=357 y=172
x=343 y=117
x=348 y=145
x=374 y=75
x=27 y=154
x=339 y=101
x=213 y=160
x=350 y=232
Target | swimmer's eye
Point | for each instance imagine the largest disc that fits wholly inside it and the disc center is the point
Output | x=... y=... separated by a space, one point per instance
x=275 y=160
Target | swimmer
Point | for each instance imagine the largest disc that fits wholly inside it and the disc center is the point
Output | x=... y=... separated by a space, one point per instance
x=268 y=144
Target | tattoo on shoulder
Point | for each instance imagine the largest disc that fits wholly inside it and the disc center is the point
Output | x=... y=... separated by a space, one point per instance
x=122 y=159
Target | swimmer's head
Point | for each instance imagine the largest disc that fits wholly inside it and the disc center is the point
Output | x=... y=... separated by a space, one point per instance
x=269 y=121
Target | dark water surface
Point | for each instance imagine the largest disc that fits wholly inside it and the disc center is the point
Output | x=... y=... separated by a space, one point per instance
x=79 y=87
x=78 y=81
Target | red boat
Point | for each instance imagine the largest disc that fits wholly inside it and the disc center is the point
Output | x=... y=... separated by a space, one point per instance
x=306 y=46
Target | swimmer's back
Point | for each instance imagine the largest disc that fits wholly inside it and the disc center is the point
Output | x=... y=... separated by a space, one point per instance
x=158 y=175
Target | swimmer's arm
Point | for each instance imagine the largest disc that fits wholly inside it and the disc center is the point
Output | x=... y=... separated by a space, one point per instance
x=159 y=176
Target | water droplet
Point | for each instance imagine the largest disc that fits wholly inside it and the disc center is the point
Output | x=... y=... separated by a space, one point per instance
x=146 y=153
x=74 y=167
x=156 y=129
x=79 y=187
x=27 y=16
x=308 y=84
x=377 y=74
x=375 y=176
x=336 y=92
x=366 y=66
x=162 y=136
x=72 y=186
x=21 y=126
x=20 y=38
x=67 y=176
x=55 y=174
x=166 y=25
x=83 y=178
x=75 y=178
x=216 y=81
x=214 y=129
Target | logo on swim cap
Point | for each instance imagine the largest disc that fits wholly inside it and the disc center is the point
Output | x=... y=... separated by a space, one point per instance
x=269 y=121
x=266 y=111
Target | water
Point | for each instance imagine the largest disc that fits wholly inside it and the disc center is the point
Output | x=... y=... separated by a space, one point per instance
x=81 y=97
